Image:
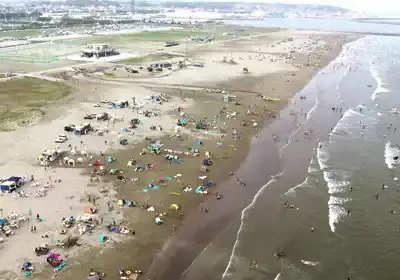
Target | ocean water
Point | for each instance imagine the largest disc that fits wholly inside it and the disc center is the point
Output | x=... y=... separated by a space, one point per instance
x=339 y=25
x=341 y=181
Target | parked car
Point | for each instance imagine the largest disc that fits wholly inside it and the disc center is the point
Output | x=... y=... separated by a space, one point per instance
x=60 y=140
x=69 y=128
x=102 y=117
x=90 y=116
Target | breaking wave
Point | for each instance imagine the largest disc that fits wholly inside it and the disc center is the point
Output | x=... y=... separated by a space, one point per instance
x=335 y=186
x=380 y=85
x=227 y=274
x=336 y=210
x=391 y=152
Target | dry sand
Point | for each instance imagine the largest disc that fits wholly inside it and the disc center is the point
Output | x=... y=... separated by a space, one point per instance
x=20 y=149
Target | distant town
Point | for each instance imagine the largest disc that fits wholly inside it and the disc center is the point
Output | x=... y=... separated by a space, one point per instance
x=48 y=14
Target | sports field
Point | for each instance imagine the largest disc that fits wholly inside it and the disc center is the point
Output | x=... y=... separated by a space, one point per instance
x=38 y=53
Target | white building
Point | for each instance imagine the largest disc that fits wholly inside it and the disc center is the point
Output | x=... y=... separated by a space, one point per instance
x=98 y=50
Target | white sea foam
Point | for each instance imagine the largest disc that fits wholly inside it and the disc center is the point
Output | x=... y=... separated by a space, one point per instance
x=292 y=191
x=334 y=200
x=305 y=183
x=391 y=152
x=310 y=263
x=375 y=74
x=278 y=277
x=310 y=113
x=336 y=212
x=322 y=156
x=335 y=185
x=227 y=274
x=343 y=124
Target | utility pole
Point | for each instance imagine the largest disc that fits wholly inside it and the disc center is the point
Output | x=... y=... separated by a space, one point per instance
x=133 y=7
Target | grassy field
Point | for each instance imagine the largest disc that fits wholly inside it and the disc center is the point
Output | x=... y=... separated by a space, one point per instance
x=20 y=33
x=156 y=36
x=109 y=75
x=175 y=35
x=165 y=36
x=24 y=99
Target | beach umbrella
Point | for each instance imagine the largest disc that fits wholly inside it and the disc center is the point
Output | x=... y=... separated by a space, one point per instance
x=174 y=207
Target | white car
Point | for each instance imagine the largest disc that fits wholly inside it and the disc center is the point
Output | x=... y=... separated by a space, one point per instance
x=96 y=105
x=60 y=140
x=62 y=136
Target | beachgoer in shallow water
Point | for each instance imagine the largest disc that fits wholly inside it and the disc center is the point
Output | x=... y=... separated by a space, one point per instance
x=348 y=212
x=377 y=196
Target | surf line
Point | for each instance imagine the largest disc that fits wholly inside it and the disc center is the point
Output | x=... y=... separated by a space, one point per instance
x=244 y=211
x=199 y=256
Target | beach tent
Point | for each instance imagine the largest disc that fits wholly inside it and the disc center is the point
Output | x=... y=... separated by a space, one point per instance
x=3 y=221
x=158 y=221
x=89 y=210
x=174 y=207
x=27 y=265
x=103 y=238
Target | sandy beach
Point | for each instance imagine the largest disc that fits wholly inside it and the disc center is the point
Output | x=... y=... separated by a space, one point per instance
x=258 y=74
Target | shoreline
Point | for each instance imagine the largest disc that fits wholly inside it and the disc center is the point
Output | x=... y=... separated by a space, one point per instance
x=179 y=253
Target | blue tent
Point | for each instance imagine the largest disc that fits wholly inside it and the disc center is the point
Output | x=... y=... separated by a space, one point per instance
x=27 y=265
x=3 y=221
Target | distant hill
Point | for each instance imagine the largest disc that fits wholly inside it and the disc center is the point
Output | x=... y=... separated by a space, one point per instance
x=326 y=8
x=229 y=5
